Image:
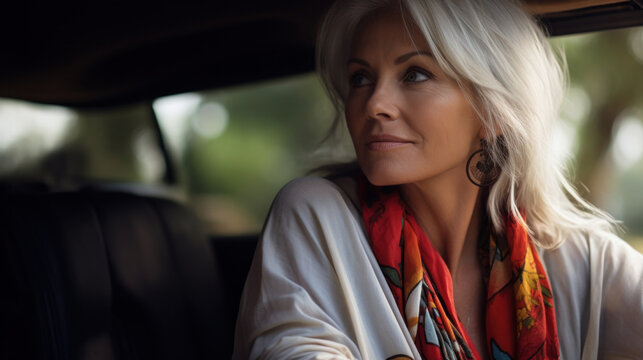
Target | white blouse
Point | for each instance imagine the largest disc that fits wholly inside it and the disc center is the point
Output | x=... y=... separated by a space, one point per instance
x=315 y=289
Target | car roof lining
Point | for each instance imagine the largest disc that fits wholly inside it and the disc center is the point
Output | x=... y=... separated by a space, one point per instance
x=107 y=56
x=554 y=6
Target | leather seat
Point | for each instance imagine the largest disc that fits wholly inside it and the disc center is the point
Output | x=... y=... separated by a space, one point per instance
x=108 y=275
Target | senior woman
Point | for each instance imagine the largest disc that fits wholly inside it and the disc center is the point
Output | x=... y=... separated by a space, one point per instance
x=457 y=236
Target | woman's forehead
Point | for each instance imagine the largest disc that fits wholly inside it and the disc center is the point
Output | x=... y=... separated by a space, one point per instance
x=387 y=24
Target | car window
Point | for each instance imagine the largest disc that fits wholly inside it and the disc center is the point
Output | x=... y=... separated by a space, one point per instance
x=602 y=122
x=64 y=148
x=237 y=146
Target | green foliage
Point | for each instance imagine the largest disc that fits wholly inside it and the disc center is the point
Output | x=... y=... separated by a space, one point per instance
x=608 y=67
x=271 y=127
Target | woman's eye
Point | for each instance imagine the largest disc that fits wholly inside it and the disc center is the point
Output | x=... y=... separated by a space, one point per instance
x=359 y=79
x=416 y=75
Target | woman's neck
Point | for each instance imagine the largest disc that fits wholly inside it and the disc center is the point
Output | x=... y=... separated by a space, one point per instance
x=449 y=212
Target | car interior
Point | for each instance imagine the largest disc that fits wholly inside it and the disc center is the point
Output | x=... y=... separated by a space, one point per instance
x=104 y=270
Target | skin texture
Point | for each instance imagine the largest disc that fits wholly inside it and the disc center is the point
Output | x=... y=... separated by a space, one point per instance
x=412 y=126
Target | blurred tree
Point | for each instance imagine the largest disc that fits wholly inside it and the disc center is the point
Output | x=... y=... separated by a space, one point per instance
x=268 y=130
x=607 y=67
x=603 y=65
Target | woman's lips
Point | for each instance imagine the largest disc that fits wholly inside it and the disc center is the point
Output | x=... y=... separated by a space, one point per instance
x=385 y=142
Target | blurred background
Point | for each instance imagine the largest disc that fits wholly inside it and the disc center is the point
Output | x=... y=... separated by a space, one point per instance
x=233 y=148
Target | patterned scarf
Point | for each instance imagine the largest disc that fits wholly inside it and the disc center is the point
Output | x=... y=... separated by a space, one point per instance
x=422 y=287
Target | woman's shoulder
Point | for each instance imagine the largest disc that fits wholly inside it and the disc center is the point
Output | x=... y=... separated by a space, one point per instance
x=596 y=263
x=592 y=261
x=593 y=246
x=309 y=217
x=317 y=194
x=583 y=253
x=596 y=279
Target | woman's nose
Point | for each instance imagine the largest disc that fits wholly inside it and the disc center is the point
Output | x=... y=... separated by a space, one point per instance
x=381 y=104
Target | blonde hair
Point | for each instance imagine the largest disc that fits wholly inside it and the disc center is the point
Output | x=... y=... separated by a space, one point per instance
x=500 y=57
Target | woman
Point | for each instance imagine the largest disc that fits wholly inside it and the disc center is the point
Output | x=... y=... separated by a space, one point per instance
x=458 y=236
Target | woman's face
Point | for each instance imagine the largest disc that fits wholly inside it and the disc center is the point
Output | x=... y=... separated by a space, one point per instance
x=409 y=122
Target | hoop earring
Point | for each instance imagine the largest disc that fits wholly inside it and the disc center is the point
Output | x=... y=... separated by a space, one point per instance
x=481 y=170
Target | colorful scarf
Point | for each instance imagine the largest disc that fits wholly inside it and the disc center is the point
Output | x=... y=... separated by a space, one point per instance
x=422 y=287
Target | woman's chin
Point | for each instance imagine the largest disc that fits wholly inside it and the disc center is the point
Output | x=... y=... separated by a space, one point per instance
x=383 y=178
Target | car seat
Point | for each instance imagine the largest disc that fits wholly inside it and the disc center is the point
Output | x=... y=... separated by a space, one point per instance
x=109 y=275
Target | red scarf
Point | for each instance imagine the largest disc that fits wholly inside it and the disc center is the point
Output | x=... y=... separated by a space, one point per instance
x=423 y=290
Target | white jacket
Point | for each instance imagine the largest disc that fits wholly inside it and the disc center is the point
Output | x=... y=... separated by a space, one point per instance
x=315 y=290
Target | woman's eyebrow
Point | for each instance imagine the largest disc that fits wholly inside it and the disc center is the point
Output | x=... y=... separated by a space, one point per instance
x=359 y=61
x=407 y=56
x=398 y=61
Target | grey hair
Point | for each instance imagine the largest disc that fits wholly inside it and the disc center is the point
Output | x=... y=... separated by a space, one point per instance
x=501 y=59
